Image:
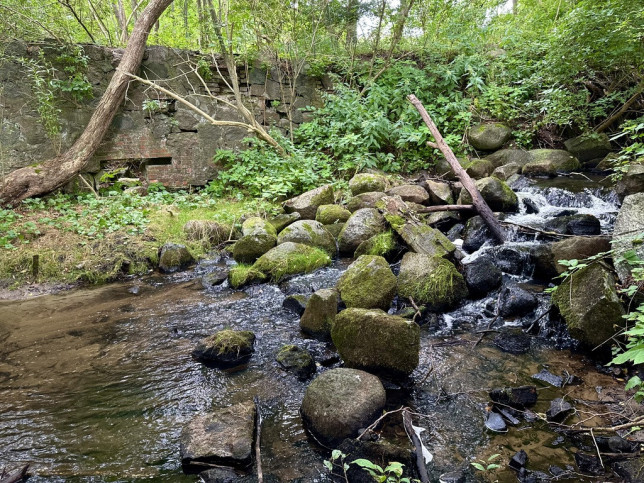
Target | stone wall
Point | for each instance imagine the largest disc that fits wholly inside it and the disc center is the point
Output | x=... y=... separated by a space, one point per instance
x=172 y=145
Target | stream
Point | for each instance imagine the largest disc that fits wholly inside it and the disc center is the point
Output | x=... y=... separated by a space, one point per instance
x=97 y=383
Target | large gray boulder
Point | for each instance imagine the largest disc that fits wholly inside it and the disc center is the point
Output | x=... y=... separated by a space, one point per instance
x=330 y=214
x=479 y=168
x=290 y=259
x=367 y=182
x=258 y=226
x=632 y=181
x=250 y=247
x=368 y=283
x=588 y=146
x=430 y=280
x=627 y=234
x=362 y=225
x=280 y=222
x=365 y=200
x=174 y=257
x=439 y=193
x=509 y=156
x=549 y=162
x=319 y=315
x=546 y=256
x=505 y=171
x=307 y=203
x=589 y=304
x=488 y=136
x=410 y=193
x=376 y=341
x=339 y=402
x=220 y=437
x=496 y=193
x=308 y=232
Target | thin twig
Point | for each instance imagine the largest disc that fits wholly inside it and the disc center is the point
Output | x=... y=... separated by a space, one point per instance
x=597 y=448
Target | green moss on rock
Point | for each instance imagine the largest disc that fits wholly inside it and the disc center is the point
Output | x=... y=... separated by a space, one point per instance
x=330 y=214
x=431 y=280
x=496 y=193
x=368 y=283
x=366 y=182
x=290 y=259
x=243 y=274
x=258 y=226
x=381 y=244
x=548 y=162
x=250 y=247
x=319 y=314
x=308 y=232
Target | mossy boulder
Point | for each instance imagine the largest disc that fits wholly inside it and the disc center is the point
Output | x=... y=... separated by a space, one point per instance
x=546 y=256
x=307 y=203
x=250 y=247
x=480 y=168
x=258 y=226
x=412 y=193
x=366 y=182
x=280 y=222
x=588 y=146
x=362 y=225
x=320 y=312
x=381 y=244
x=291 y=259
x=496 y=193
x=341 y=401
x=508 y=156
x=488 y=136
x=335 y=229
x=296 y=360
x=220 y=437
x=244 y=274
x=627 y=235
x=376 y=341
x=431 y=280
x=439 y=193
x=308 y=232
x=226 y=347
x=368 y=283
x=589 y=304
x=174 y=257
x=365 y=200
x=422 y=238
x=330 y=214
x=504 y=172
x=443 y=169
x=549 y=162
x=206 y=231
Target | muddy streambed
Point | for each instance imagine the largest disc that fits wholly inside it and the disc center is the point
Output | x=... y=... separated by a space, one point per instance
x=96 y=384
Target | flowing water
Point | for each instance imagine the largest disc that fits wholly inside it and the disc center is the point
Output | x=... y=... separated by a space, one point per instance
x=96 y=384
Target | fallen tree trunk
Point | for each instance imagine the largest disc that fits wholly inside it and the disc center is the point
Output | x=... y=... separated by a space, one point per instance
x=16 y=476
x=479 y=203
x=54 y=173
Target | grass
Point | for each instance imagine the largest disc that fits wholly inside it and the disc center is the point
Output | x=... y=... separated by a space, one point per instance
x=81 y=238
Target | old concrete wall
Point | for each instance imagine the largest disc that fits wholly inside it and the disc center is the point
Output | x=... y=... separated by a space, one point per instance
x=173 y=145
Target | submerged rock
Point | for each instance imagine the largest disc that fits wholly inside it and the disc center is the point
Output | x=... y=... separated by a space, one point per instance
x=341 y=401
x=482 y=276
x=488 y=136
x=549 y=378
x=513 y=342
x=431 y=280
x=516 y=301
x=367 y=182
x=319 y=315
x=307 y=203
x=290 y=259
x=296 y=360
x=226 y=347
x=516 y=397
x=174 y=257
x=308 y=232
x=362 y=225
x=496 y=193
x=221 y=437
x=559 y=410
x=589 y=304
x=330 y=214
x=494 y=422
x=375 y=341
x=368 y=283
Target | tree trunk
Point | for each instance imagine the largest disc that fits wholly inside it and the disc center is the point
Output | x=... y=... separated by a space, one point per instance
x=477 y=200
x=54 y=173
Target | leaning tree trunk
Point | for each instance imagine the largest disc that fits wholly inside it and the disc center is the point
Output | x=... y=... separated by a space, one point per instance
x=52 y=174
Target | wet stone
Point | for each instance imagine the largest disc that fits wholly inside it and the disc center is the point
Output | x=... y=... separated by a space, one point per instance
x=494 y=422
x=512 y=260
x=296 y=303
x=531 y=207
x=516 y=397
x=221 y=437
x=174 y=257
x=588 y=464
x=516 y=301
x=482 y=276
x=513 y=343
x=631 y=470
x=225 y=348
x=296 y=360
x=549 y=378
x=519 y=460
x=219 y=475
x=216 y=276
x=452 y=477
x=559 y=410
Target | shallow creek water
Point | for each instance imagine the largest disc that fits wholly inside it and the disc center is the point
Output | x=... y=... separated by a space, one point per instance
x=96 y=384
